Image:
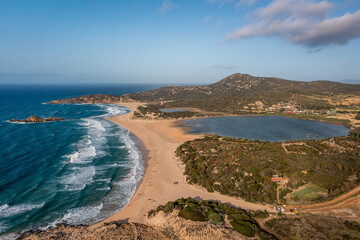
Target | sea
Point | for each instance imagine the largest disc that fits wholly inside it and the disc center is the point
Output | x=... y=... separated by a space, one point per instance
x=78 y=171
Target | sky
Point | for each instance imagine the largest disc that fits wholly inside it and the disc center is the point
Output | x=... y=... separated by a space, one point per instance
x=177 y=41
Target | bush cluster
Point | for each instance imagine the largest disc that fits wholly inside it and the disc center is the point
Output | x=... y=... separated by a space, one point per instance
x=215 y=212
x=243 y=168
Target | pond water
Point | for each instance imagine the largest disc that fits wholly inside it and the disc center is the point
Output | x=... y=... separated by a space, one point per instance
x=266 y=128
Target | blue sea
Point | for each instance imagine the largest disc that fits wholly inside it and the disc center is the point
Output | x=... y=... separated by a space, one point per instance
x=78 y=171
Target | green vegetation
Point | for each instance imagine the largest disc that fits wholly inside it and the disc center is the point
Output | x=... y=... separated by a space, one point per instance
x=192 y=214
x=243 y=168
x=319 y=117
x=155 y=111
x=242 y=221
x=310 y=226
x=310 y=192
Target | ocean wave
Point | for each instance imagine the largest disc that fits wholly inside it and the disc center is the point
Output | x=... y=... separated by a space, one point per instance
x=124 y=189
x=108 y=180
x=3 y=226
x=78 y=178
x=10 y=236
x=91 y=145
x=84 y=154
x=103 y=189
x=84 y=215
x=9 y=210
x=112 y=109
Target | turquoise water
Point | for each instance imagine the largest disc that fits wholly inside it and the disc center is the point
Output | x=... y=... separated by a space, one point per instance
x=78 y=171
x=266 y=128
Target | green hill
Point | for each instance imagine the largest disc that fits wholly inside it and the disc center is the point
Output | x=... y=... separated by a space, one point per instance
x=235 y=92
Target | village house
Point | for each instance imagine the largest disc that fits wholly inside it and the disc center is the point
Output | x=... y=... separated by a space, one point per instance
x=279 y=180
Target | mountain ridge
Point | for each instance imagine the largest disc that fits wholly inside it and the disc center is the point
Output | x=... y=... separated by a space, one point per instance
x=233 y=93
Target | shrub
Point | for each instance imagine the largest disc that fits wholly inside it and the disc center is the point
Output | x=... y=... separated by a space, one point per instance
x=243 y=228
x=169 y=207
x=215 y=217
x=151 y=213
x=192 y=214
x=260 y=214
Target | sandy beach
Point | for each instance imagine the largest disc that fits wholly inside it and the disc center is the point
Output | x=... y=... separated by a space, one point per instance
x=163 y=179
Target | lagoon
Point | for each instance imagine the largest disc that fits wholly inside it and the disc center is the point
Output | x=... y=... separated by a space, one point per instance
x=265 y=128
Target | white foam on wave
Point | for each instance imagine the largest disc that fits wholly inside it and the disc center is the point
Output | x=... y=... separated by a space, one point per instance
x=123 y=190
x=12 y=210
x=112 y=109
x=83 y=215
x=84 y=154
x=103 y=189
x=78 y=178
x=10 y=236
x=91 y=145
x=108 y=180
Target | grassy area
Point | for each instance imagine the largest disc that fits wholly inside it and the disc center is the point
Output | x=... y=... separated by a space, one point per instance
x=307 y=193
x=243 y=168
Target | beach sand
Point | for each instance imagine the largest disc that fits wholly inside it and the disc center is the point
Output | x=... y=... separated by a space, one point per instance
x=163 y=179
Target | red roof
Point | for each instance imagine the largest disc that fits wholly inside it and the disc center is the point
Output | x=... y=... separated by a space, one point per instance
x=278 y=179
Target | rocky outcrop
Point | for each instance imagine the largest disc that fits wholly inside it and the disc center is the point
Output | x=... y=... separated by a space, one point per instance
x=36 y=119
x=97 y=98
x=108 y=231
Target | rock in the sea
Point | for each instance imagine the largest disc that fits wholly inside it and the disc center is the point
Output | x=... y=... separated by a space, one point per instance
x=36 y=119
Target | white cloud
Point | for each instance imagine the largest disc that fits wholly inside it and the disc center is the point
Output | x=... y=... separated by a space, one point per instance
x=301 y=22
x=166 y=6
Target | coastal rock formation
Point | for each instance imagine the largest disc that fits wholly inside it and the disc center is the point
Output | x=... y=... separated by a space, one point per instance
x=109 y=231
x=97 y=98
x=36 y=119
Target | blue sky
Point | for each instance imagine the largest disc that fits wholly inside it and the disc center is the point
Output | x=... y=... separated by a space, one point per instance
x=173 y=41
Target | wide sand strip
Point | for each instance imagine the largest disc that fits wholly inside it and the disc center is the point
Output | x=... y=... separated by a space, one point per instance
x=163 y=179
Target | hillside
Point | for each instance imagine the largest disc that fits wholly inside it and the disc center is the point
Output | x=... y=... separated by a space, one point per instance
x=242 y=85
x=239 y=92
x=315 y=170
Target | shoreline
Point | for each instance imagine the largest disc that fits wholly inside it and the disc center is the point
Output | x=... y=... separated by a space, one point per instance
x=163 y=179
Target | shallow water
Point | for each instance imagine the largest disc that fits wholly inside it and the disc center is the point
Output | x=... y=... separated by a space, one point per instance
x=266 y=128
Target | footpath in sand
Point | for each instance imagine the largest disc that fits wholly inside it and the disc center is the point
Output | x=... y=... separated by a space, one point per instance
x=163 y=179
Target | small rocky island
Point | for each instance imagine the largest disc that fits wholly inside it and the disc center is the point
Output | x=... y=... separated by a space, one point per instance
x=36 y=119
